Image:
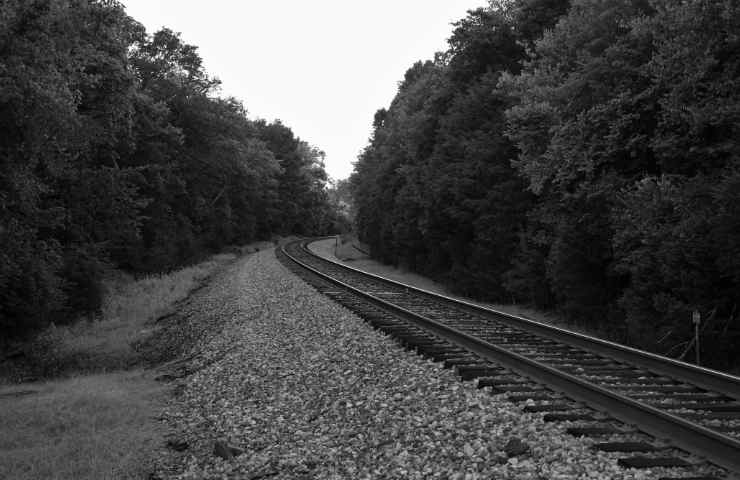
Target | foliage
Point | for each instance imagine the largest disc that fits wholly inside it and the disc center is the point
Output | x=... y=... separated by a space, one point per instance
x=116 y=152
x=434 y=190
x=340 y=199
x=578 y=155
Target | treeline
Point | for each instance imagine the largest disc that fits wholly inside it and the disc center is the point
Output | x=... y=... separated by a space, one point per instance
x=115 y=151
x=582 y=156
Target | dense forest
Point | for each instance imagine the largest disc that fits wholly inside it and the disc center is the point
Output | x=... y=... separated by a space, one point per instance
x=117 y=152
x=582 y=156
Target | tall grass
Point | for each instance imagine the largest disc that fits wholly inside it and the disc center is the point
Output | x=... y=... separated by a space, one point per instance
x=127 y=317
x=135 y=303
x=99 y=425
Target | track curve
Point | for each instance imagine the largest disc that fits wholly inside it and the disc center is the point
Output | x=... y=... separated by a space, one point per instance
x=698 y=409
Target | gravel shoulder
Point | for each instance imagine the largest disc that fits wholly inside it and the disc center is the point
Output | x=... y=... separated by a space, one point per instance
x=299 y=387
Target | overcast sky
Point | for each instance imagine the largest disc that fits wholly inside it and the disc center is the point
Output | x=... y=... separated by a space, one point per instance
x=323 y=67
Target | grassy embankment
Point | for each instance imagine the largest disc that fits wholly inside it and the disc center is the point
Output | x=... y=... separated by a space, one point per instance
x=93 y=414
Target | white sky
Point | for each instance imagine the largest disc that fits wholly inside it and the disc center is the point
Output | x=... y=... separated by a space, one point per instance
x=323 y=67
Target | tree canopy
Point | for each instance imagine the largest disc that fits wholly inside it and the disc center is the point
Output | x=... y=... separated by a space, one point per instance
x=116 y=151
x=578 y=155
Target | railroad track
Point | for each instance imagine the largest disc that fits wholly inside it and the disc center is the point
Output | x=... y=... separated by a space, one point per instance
x=628 y=400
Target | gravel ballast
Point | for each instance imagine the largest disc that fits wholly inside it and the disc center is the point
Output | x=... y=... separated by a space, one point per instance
x=299 y=387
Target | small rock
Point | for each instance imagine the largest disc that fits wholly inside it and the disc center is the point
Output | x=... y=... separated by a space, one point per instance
x=226 y=451
x=177 y=444
x=179 y=389
x=515 y=447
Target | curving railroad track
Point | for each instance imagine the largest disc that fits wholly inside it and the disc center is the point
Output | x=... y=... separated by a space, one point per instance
x=616 y=394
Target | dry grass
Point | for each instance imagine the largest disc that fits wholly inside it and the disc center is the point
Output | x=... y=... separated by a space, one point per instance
x=129 y=309
x=93 y=427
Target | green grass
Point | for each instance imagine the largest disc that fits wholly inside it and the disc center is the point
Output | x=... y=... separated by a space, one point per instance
x=134 y=303
x=92 y=427
x=129 y=308
x=98 y=423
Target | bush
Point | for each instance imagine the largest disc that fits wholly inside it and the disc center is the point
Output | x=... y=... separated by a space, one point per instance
x=83 y=276
x=30 y=287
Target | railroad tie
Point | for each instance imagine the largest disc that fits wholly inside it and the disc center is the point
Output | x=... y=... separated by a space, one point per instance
x=516 y=388
x=626 y=447
x=639 y=461
x=473 y=371
x=434 y=346
x=499 y=381
x=675 y=389
x=535 y=396
x=551 y=407
x=708 y=416
x=443 y=354
x=462 y=360
x=691 y=478
x=568 y=417
x=593 y=431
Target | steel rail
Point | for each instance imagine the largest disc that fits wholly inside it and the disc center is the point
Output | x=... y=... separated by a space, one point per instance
x=717 y=448
x=706 y=378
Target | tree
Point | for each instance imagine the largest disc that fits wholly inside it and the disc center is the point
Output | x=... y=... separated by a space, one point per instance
x=115 y=152
x=582 y=125
x=65 y=108
x=434 y=190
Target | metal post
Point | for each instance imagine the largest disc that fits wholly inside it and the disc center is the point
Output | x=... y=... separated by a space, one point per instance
x=696 y=317
x=696 y=334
